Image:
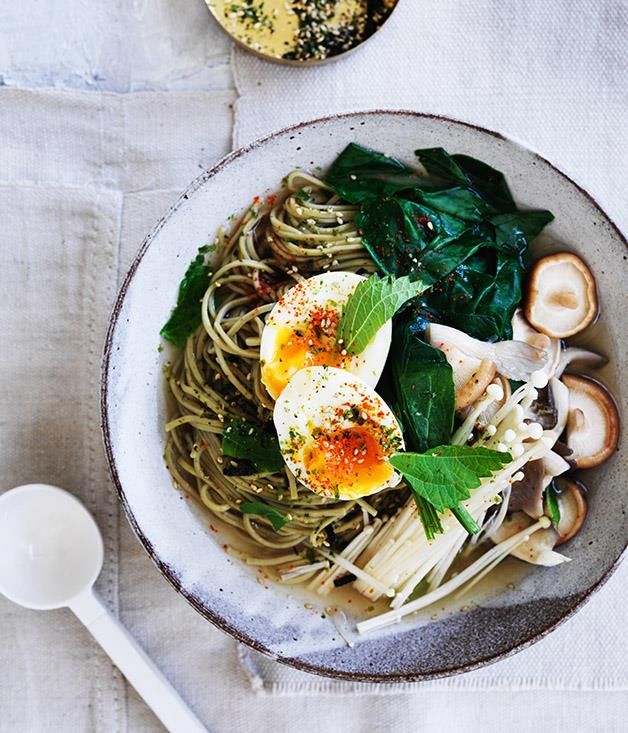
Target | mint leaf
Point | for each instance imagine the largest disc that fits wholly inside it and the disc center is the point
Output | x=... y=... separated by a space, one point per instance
x=443 y=476
x=371 y=304
x=186 y=316
x=277 y=519
x=254 y=443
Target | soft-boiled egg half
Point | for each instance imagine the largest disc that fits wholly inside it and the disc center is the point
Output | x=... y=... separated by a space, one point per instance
x=301 y=329
x=336 y=433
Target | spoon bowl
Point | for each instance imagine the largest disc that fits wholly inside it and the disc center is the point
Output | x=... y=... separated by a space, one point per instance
x=50 y=547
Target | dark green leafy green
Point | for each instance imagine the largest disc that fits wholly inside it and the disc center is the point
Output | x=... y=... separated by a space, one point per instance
x=403 y=236
x=419 y=385
x=444 y=476
x=372 y=303
x=277 y=519
x=458 y=229
x=463 y=170
x=552 y=507
x=254 y=443
x=186 y=316
x=360 y=172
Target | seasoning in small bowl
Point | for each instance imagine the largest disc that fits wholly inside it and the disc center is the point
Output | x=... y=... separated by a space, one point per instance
x=300 y=32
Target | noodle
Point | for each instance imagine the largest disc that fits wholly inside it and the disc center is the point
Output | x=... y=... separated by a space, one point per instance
x=216 y=377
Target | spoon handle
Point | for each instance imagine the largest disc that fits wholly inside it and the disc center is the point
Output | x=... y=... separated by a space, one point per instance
x=135 y=665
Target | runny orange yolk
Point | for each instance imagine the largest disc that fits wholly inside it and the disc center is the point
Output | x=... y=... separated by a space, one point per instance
x=348 y=461
x=296 y=349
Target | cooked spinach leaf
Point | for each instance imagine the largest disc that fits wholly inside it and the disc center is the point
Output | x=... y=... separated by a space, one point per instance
x=489 y=183
x=419 y=386
x=360 y=172
x=186 y=316
x=401 y=235
x=254 y=443
x=277 y=519
x=480 y=298
x=457 y=228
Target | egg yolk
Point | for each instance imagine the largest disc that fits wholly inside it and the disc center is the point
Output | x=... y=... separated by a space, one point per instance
x=349 y=461
x=296 y=348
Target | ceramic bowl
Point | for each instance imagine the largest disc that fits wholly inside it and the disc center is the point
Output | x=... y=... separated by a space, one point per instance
x=177 y=537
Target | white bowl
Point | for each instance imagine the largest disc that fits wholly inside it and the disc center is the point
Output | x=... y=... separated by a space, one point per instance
x=178 y=537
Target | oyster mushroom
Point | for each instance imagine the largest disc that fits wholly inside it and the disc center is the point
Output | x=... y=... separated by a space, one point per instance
x=513 y=359
x=561 y=299
x=592 y=422
x=543 y=409
x=471 y=375
x=475 y=387
x=572 y=505
x=560 y=395
x=551 y=347
x=539 y=549
x=581 y=356
x=551 y=406
x=527 y=495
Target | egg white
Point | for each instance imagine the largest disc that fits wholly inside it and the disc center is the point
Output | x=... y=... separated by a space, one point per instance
x=331 y=290
x=316 y=399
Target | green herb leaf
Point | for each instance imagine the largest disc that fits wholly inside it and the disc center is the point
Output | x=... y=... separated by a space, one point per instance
x=254 y=443
x=277 y=519
x=428 y=516
x=552 y=507
x=186 y=316
x=443 y=476
x=465 y=519
x=371 y=304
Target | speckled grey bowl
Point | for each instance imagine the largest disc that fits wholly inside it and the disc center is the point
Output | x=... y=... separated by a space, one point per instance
x=178 y=538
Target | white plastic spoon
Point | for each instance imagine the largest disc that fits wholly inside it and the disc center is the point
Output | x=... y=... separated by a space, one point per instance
x=51 y=552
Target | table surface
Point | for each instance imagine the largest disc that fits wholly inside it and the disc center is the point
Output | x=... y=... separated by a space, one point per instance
x=142 y=45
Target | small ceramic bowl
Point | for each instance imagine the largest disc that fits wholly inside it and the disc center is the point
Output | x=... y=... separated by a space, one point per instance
x=277 y=621
x=372 y=19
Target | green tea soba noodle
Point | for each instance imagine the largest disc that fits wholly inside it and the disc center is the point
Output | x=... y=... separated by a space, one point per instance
x=304 y=230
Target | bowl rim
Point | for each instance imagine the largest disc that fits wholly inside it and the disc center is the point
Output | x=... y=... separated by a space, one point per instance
x=167 y=571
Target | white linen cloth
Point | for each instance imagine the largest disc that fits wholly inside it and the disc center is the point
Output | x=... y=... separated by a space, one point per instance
x=83 y=177
x=552 y=75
